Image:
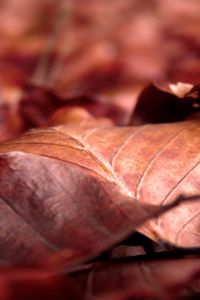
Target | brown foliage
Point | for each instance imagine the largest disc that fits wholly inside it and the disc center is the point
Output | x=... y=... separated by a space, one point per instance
x=64 y=176
x=118 y=174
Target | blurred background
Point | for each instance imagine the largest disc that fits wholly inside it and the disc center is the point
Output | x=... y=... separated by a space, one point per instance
x=110 y=48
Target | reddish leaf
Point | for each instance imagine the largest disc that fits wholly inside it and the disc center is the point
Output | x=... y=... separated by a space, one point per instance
x=158 y=105
x=91 y=177
x=31 y=284
x=50 y=206
x=62 y=198
x=10 y=123
x=39 y=103
x=142 y=279
x=77 y=116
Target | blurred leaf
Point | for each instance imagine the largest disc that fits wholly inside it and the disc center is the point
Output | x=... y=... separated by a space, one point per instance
x=168 y=103
x=124 y=279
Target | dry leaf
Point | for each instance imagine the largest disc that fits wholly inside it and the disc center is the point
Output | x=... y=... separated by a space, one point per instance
x=67 y=194
x=40 y=103
x=167 y=103
x=77 y=116
x=20 y=283
x=123 y=279
x=90 y=177
x=60 y=212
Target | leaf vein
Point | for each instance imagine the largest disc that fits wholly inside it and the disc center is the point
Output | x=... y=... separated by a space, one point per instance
x=38 y=234
x=151 y=162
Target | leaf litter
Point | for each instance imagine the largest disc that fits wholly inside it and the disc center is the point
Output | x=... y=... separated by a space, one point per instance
x=121 y=158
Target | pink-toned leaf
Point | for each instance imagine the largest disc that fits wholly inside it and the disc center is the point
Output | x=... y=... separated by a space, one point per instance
x=61 y=213
x=81 y=190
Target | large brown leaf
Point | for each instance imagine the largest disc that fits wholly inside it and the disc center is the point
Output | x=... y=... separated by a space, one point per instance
x=85 y=189
x=61 y=214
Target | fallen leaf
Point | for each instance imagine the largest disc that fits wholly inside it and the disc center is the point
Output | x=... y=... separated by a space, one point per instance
x=39 y=104
x=60 y=213
x=108 y=180
x=168 y=103
x=170 y=278
x=77 y=116
x=20 y=283
x=10 y=122
x=65 y=199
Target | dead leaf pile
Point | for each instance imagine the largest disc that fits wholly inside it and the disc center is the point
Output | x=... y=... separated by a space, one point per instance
x=99 y=151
